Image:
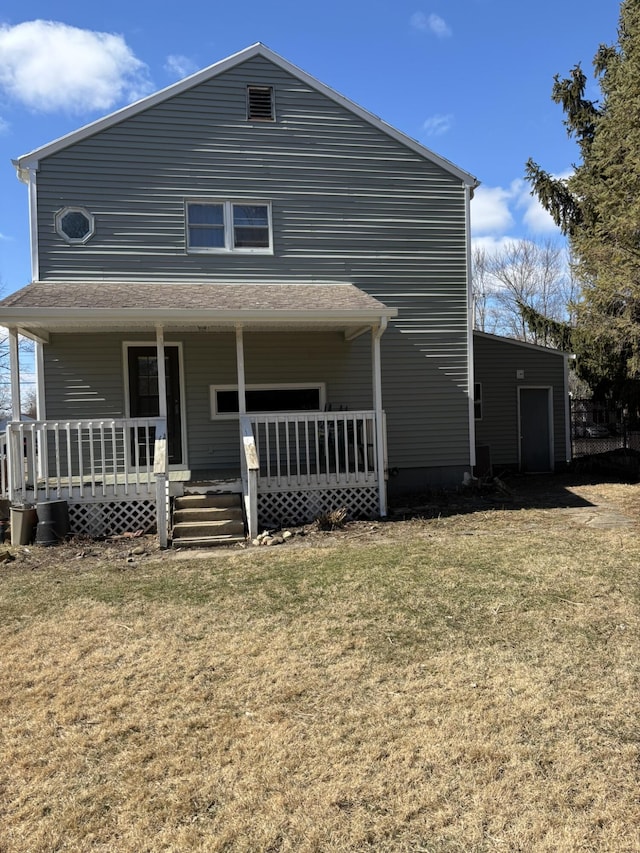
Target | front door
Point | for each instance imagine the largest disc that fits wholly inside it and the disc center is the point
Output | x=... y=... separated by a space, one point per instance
x=144 y=401
x=535 y=430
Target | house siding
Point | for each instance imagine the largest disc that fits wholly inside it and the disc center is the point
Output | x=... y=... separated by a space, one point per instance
x=349 y=204
x=496 y=362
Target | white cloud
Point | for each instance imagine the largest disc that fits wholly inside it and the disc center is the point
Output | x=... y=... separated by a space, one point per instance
x=490 y=210
x=537 y=219
x=436 y=125
x=432 y=23
x=4 y=126
x=495 y=210
x=49 y=66
x=491 y=245
x=179 y=66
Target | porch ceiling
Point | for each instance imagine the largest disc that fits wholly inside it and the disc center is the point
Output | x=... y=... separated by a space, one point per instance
x=42 y=307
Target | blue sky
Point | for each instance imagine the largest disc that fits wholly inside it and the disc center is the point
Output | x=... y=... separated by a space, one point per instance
x=470 y=79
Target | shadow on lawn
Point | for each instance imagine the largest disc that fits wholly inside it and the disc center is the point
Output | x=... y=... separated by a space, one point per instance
x=525 y=491
x=507 y=492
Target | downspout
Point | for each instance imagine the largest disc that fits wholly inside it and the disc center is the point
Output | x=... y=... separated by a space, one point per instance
x=381 y=451
x=27 y=174
x=468 y=194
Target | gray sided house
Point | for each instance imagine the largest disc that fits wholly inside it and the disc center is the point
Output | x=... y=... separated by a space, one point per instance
x=243 y=284
x=521 y=403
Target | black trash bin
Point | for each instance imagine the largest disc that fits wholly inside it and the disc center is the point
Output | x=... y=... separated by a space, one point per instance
x=53 y=522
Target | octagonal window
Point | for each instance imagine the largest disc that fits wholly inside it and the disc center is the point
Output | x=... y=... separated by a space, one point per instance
x=75 y=224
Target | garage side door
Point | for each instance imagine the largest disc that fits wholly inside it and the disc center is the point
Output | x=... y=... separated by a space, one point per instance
x=535 y=430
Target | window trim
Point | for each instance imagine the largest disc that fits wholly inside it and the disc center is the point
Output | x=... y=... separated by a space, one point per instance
x=215 y=415
x=74 y=241
x=228 y=227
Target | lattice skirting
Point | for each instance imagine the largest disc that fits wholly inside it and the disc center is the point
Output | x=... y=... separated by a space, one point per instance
x=112 y=518
x=279 y=509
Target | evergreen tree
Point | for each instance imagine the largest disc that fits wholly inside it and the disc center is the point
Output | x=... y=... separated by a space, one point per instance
x=598 y=209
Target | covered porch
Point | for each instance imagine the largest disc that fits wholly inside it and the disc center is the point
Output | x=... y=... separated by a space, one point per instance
x=124 y=471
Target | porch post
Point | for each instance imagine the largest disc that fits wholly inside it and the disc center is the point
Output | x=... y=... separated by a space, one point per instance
x=14 y=362
x=160 y=449
x=242 y=394
x=376 y=334
x=248 y=457
x=40 y=395
x=162 y=376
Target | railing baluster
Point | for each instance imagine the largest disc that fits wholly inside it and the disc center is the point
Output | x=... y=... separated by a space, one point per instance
x=285 y=424
x=69 y=459
x=92 y=461
x=114 y=457
x=56 y=447
x=145 y=446
x=267 y=442
x=103 y=457
x=297 y=437
x=307 y=449
x=326 y=449
x=278 y=463
x=33 y=461
x=80 y=457
x=43 y=455
x=125 y=467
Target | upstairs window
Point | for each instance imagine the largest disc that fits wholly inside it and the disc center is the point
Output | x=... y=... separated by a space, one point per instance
x=75 y=224
x=260 y=106
x=228 y=226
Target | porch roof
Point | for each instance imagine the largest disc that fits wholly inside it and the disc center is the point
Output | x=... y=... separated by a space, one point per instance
x=42 y=307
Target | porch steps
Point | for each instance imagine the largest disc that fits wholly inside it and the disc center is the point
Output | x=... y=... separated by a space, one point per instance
x=205 y=520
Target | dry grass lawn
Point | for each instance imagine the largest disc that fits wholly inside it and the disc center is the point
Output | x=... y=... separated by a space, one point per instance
x=467 y=683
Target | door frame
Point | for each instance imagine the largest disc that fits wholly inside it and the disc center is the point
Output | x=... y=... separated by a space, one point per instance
x=126 y=345
x=549 y=390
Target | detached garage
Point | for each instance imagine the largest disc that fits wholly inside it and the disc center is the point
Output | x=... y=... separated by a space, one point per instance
x=521 y=405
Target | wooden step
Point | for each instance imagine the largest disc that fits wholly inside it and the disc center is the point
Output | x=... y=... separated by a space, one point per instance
x=208 y=500
x=207 y=541
x=208 y=528
x=202 y=520
x=207 y=513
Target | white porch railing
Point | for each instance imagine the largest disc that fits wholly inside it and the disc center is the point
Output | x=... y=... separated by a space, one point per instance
x=87 y=460
x=315 y=450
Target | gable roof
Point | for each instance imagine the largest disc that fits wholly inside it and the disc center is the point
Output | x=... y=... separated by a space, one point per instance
x=30 y=160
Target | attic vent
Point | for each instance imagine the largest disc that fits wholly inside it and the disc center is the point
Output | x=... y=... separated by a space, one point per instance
x=260 y=103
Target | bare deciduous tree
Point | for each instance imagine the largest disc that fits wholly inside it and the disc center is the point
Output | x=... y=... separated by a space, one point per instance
x=522 y=272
